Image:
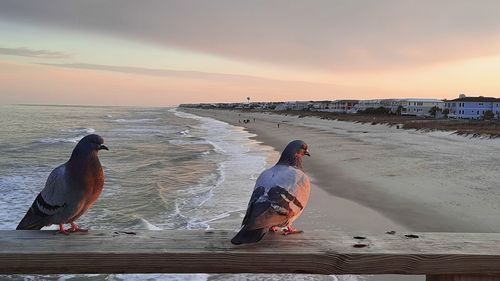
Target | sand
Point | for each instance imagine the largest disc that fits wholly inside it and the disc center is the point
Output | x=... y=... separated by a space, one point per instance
x=376 y=178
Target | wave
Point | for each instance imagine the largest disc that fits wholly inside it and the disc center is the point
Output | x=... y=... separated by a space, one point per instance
x=61 y=140
x=149 y=226
x=241 y=160
x=184 y=132
x=143 y=120
x=187 y=142
x=197 y=223
x=18 y=188
x=142 y=131
x=79 y=133
x=87 y=131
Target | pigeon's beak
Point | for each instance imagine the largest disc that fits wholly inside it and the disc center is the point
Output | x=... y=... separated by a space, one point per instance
x=102 y=146
x=307 y=153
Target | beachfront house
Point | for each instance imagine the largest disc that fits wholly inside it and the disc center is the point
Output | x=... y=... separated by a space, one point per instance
x=284 y=106
x=419 y=107
x=472 y=107
x=343 y=106
x=496 y=108
x=363 y=105
x=391 y=104
x=321 y=105
x=302 y=105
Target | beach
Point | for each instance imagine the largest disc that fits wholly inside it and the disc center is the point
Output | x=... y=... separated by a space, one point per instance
x=375 y=178
x=187 y=171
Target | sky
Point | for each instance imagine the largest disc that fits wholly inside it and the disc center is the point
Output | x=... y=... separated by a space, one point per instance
x=163 y=53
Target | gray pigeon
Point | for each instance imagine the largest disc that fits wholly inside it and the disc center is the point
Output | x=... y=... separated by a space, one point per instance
x=279 y=197
x=70 y=190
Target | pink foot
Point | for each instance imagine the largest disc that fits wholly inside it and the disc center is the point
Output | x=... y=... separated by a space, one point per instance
x=62 y=230
x=76 y=228
x=290 y=230
x=275 y=229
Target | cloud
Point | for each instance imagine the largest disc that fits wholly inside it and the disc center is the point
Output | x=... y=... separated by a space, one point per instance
x=161 y=72
x=333 y=35
x=42 y=54
x=115 y=85
x=196 y=75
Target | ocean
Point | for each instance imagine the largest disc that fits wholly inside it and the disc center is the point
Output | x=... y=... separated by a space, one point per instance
x=165 y=169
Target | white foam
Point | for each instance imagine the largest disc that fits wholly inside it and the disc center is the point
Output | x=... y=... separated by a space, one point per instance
x=141 y=131
x=243 y=160
x=149 y=226
x=143 y=120
x=184 y=132
x=81 y=130
x=18 y=190
x=61 y=140
x=81 y=133
x=187 y=142
x=197 y=224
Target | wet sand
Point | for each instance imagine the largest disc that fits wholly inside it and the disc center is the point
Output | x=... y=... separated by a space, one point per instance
x=326 y=210
x=377 y=178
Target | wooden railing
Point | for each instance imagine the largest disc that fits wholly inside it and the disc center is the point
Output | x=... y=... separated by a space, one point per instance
x=439 y=256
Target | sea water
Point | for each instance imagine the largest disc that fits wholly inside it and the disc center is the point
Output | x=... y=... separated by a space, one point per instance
x=165 y=169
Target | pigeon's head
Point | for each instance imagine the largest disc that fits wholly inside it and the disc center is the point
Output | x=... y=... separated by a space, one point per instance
x=92 y=142
x=88 y=145
x=293 y=153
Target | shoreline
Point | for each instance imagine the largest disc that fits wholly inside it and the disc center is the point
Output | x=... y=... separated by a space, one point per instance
x=362 y=186
x=463 y=127
x=326 y=210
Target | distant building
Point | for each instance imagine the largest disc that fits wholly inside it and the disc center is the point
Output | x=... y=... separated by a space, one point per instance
x=342 y=106
x=391 y=104
x=301 y=105
x=419 y=107
x=496 y=108
x=472 y=107
x=362 y=105
x=321 y=105
x=284 y=106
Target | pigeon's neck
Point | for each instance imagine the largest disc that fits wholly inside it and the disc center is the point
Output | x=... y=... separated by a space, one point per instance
x=79 y=162
x=293 y=160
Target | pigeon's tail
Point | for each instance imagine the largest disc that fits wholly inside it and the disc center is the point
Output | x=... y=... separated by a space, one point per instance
x=247 y=236
x=32 y=220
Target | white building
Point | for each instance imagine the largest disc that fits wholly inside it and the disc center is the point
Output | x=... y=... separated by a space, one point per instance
x=391 y=104
x=419 y=107
x=321 y=105
x=342 y=106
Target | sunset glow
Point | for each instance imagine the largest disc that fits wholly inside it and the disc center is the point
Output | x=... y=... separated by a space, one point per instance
x=60 y=52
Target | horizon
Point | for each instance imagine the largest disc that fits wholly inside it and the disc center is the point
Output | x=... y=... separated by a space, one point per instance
x=96 y=53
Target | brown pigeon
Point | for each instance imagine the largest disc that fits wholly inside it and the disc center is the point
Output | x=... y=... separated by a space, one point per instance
x=71 y=189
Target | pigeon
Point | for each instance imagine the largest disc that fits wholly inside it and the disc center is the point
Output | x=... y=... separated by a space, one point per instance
x=70 y=190
x=279 y=197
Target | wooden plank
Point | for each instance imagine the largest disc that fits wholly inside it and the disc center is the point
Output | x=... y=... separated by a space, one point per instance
x=462 y=278
x=210 y=252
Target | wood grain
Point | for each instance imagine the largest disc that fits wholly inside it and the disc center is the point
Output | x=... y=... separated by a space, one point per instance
x=210 y=252
x=462 y=278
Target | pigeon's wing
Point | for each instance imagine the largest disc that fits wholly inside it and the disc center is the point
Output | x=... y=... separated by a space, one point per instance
x=49 y=202
x=257 y=193
x=276 y=197
x=271 y=204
